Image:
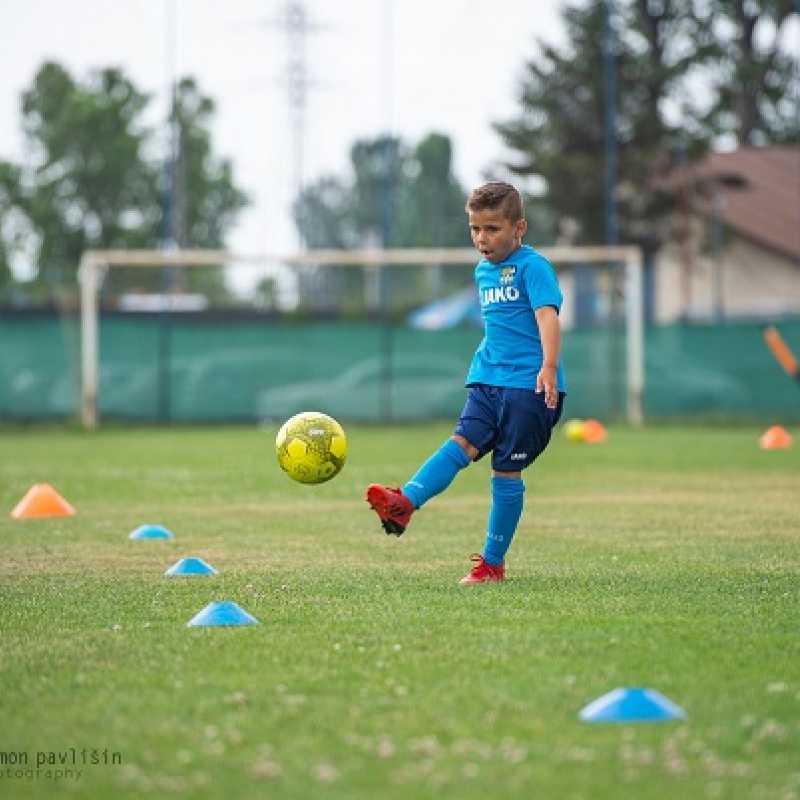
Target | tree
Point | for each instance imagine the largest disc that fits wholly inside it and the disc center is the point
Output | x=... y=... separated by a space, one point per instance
x=207 y=201
x=323 y=215
x=395 y=196
x=91 y=177
x=435 y=210
x=84 y=182
x=663 y=51
x=560 y=134
x=754 y=78
x=9 y=178
x=204 y=201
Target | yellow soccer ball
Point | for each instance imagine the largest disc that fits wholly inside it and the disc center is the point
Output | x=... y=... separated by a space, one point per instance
x=311 y=447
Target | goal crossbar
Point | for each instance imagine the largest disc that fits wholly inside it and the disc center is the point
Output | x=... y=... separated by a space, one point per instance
x=94 y=263
x=455 y=256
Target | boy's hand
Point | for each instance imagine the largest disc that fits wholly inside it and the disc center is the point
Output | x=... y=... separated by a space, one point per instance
x=546 y=382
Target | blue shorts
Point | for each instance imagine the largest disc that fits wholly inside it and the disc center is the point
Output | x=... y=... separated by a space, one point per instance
x=513 y=424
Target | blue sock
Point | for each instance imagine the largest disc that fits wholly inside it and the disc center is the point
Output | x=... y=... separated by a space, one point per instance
x=507 y=501
x=437 y=473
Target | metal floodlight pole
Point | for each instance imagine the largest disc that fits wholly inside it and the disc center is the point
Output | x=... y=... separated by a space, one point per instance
x=297 y=27
x=610 y=118
x=797 y=112
x=168 y=198
x=168 y=166
x=386 y=215
x=611 y=221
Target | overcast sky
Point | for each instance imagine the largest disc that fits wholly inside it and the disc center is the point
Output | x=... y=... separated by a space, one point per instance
x=409 y=67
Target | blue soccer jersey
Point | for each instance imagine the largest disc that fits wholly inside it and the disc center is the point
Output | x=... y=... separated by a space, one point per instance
x=510 y=292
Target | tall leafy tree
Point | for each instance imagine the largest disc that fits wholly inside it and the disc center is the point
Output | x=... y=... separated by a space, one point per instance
x=395 y=195
x=752 y=72
x=92 y=176
x=85 y=181
x=9 y=219
x=686 y=72
x=323 y=214
x=201 y=201
x=205 y=198
x=434 y=213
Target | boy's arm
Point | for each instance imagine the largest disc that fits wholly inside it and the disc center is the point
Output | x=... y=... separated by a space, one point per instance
x=550 y=335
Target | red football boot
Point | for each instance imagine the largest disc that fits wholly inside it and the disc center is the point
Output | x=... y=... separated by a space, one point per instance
x=392 y=506
x=483 y=572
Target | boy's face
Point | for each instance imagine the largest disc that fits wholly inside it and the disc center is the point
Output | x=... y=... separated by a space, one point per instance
x=495 y=236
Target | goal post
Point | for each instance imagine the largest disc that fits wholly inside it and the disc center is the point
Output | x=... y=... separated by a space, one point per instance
x=95 y=264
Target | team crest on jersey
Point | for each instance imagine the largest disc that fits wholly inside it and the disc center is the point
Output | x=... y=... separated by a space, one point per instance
x=507 y=275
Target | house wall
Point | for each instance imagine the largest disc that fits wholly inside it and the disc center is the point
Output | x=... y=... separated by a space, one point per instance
x=742 y=280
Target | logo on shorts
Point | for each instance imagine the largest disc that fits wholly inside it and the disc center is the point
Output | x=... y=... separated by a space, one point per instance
x=518 y=456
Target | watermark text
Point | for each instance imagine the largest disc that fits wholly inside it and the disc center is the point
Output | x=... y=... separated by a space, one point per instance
x=69 y=764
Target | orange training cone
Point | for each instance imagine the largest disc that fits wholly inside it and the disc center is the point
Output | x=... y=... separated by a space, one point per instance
x=42 y=500
x=775 y=438
x=594 y=432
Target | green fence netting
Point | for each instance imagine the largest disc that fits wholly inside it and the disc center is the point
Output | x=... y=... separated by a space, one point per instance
x=200 y=368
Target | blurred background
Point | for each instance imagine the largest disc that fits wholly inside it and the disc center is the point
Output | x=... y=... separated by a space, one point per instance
x=280 y=128
x=293 y=85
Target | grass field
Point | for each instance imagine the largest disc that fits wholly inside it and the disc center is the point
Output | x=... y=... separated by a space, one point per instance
x=666 y=558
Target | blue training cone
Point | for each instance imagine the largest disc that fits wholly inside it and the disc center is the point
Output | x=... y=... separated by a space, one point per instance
x=223 y=612
x=632 y=705
x=150 y=532
x=190 y=566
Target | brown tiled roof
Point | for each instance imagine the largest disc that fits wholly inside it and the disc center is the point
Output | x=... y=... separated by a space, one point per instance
x=761 y=192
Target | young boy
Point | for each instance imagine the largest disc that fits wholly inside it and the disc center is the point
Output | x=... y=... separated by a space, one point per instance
x=516 y=381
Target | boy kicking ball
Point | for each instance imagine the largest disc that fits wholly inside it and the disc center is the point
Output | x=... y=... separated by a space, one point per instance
x=515 y=381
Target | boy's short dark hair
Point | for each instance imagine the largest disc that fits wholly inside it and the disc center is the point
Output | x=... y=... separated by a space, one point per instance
x=497 y=194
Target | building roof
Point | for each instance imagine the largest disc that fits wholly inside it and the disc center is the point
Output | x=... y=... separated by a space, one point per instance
x=760 y=189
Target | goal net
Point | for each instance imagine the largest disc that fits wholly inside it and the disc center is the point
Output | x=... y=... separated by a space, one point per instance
x=178 y=336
